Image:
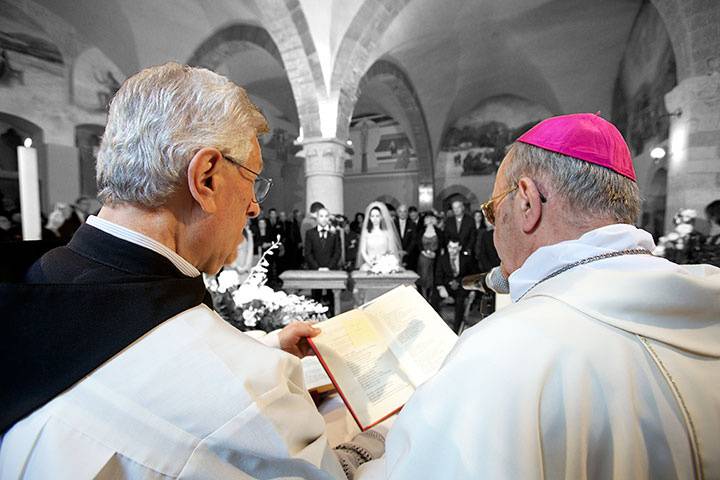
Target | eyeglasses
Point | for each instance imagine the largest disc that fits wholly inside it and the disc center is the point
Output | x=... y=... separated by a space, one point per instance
x=488 y=208
x=261 y=185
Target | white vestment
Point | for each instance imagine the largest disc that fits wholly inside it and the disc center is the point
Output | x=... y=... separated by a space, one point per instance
x=608 y=370
x=192 y=398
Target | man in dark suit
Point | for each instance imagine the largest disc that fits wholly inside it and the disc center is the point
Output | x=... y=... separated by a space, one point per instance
x=461 y=227
x=450 y=269
x=322 y=252
x=126 y=300
x=407 y=229
x=322 y=245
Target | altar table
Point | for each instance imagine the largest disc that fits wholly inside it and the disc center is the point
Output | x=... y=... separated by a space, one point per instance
x=335 y=280
x=370 y=285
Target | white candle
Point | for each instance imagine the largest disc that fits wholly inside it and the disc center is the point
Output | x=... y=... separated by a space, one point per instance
x=29 y=191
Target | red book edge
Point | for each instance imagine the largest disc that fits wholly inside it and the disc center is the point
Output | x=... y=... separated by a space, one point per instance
x=342 y=395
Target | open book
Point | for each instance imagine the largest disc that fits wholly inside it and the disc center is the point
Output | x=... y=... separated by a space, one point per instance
x=378 y=354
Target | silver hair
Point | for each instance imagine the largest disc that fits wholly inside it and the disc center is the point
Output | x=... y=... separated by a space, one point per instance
x=159 y=119
x=589 y=190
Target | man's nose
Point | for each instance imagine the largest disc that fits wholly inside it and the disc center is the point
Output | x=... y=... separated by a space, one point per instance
x=253 y=209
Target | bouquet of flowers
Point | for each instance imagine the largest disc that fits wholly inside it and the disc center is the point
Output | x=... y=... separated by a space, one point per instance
x=385 y=264
x=680 y=244
x=252 y=305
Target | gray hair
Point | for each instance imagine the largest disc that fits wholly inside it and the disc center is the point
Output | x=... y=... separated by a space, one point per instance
x=591 y=191
x=159 y=119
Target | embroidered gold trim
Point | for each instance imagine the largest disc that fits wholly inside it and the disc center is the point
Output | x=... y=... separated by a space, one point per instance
x=694 y=444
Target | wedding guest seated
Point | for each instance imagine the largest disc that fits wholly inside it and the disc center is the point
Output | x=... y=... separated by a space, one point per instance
x=450 y=269
x=114 y=364
x=605 y=365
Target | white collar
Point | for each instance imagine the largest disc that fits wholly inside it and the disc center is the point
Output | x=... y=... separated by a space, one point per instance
x=124 y=233
x=545 y=260
x=326 y=228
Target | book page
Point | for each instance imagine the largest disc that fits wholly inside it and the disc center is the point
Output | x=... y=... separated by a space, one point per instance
x=418 y=337
x=362 y=367
x=314 y=373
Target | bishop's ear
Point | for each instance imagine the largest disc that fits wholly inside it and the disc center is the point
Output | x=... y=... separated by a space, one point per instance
x=204 y=178
x=531 y=204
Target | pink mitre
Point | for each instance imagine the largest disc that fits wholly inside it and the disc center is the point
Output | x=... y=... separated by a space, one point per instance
x=586 y=137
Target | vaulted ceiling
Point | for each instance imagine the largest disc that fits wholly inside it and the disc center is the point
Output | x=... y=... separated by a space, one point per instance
x=563 y=54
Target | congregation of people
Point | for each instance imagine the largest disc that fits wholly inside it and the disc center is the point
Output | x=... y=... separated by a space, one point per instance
x=441 y=247
x=59 y=225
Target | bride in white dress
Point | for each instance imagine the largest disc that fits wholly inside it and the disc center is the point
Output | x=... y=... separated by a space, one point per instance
x=378 y=236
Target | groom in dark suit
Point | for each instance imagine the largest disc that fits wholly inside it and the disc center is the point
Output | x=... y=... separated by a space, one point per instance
x=322 y=245
x=323 y=252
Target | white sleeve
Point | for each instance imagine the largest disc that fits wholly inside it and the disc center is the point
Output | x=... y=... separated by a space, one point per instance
x=271 y=340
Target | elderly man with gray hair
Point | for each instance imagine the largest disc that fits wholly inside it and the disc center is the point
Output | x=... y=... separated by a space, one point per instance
x=607 y=362
x=115 y=363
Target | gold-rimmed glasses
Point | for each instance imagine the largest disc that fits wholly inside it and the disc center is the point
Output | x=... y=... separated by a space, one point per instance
x=261 y=185
x=488 y=208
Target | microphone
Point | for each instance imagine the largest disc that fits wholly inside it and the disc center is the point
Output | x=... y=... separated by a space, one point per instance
x=493 y=280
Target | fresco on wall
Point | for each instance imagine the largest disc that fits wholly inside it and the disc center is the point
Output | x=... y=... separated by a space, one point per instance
x=646 y=74
x=379 y=144
x=22 y=43
x=19 y=33
x=95 y=80
x=395 y=147
x=477 y=142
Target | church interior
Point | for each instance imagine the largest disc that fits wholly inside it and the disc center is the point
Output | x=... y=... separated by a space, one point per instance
x=407 y=102
x=388 y=125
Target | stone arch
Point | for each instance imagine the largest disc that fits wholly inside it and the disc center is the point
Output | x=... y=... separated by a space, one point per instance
x=286 y=23
x=399 y=83
x=448 y=192
x=356 y=51
x=26 y=127
x=224 y=42
x=692 y=28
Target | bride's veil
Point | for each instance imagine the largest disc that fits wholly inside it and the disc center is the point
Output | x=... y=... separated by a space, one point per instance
x=386 y=225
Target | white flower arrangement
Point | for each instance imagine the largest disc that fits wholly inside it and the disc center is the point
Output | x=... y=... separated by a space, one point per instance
x=678 y=239
x=385 y=265
x=252 y=304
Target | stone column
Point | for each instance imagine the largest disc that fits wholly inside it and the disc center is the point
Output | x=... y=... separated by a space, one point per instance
x=324 y=167
x=694 y=144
